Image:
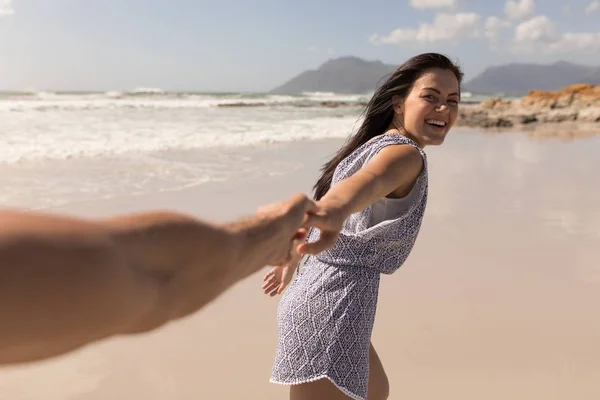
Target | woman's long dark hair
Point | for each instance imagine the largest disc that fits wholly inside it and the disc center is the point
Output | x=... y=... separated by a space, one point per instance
x=379 y=110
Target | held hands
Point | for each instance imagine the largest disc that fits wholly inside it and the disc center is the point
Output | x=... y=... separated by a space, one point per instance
x=287 y=221
x=292 y=217
x=329 y=220
x=296 y=215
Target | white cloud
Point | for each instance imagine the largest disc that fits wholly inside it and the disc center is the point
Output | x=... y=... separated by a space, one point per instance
x=445 y=28
x=431 y=4
x=493 y=27
x=576 y=43
x=519 y=9
x=6 y=8
x=592 y=7
x=538 y=35
x=566 y=10
x=538 y=30
x=534 y=35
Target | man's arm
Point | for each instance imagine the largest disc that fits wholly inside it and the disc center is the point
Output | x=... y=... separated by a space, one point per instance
x=67 y=282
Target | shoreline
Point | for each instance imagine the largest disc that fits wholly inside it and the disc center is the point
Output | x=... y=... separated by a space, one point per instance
x=568 y=130
x=257 y=151
x=256 y=190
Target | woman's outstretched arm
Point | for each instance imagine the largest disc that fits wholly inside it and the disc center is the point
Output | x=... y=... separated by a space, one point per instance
x=393 y=170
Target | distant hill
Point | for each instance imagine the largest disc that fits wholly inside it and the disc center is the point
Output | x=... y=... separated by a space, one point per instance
x=594 y=77
x=346 y=75
x=518 y=79
x=353 y=75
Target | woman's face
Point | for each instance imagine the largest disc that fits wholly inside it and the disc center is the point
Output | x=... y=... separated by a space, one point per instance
x=431 y=107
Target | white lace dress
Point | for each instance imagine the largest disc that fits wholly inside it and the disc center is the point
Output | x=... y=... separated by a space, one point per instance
x=326 y=315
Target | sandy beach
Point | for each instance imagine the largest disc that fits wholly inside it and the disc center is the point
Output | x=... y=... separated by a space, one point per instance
x=215 y=109
x=498 y=300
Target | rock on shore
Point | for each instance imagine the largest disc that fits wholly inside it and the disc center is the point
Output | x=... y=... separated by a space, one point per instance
x=575 y=103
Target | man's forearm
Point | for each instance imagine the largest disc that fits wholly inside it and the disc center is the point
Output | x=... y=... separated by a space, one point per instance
x=188 y=261
x=62 y=285
x=65 y=283
x=193 y=262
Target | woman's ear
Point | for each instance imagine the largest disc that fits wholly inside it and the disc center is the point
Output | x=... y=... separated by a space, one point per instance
x=397 y=103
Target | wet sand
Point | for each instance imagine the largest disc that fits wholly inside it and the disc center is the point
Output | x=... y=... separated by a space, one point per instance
x=499 y=299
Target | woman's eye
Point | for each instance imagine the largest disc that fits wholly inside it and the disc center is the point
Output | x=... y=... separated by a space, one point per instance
x=453 y=101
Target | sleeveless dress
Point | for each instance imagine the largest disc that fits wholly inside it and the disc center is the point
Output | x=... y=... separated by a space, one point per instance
x=326 y=315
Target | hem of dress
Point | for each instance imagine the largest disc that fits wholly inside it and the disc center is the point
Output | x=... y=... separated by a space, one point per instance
x=348 y=393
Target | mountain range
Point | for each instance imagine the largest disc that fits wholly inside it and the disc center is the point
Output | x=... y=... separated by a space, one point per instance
x=351 y=75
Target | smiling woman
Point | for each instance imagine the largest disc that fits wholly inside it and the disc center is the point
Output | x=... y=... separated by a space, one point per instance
x=431 y=107
x=375 y=189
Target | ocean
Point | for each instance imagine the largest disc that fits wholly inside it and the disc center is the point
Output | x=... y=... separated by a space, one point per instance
x=56 y=148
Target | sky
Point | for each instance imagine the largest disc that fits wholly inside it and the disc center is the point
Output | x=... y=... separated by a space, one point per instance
x=256 y=45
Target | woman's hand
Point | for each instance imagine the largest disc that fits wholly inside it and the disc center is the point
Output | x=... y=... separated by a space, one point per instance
x=328 y=218
x=277 y=279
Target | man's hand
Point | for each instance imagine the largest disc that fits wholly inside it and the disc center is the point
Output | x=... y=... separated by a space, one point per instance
x=290 y=218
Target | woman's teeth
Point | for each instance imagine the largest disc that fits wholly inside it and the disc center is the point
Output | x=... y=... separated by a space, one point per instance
x=436 y=122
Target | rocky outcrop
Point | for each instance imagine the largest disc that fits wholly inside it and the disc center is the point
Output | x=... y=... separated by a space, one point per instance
x=575 y=103
x=574 y=96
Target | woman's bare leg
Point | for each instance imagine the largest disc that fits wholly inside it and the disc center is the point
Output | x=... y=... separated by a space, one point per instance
x=324 y=389
x=379 y=386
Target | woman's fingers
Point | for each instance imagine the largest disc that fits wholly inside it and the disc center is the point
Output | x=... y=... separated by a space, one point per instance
x=281 y=287
x=272 y=290
x=270 y=281
x=269 y=274
x=267 y=282
x=267 y=286
x=314 y=219
x=301 y=234
x=326 y=240
x=329 y=227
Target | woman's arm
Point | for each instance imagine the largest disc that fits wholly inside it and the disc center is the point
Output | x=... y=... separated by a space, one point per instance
x=394 y=169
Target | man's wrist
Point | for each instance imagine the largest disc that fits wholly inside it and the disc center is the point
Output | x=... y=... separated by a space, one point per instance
x=251 y=243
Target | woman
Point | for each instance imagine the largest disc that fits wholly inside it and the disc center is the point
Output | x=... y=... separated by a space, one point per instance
x=375 y=189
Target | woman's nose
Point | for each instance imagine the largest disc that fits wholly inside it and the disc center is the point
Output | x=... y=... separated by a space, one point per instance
x=442 y=108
